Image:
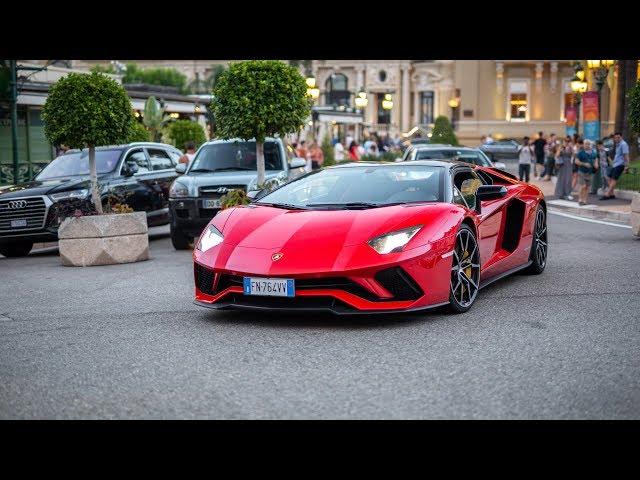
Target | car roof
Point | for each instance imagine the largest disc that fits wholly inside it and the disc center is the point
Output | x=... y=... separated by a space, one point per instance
x=123 y=146
x=444 y=147
x=429 y=163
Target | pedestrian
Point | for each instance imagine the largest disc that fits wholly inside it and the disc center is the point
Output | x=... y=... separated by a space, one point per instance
x=619 y=166
x=578 y=146
x=189 y=154
x=316 y=155
x=483 y=140
x=302 y=152
x=549 y=158
x=368 y=142
x=338 y=151
x=563 y=157
x=586 y=161
x=354 y=154
x=603 y=167
x=526 y=157
x=538 y=147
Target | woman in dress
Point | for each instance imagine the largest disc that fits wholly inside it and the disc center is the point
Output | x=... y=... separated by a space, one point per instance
x=354 y=154
x=563 y=157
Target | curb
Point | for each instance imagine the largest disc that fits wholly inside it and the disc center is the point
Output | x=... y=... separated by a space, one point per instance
x=591 y=211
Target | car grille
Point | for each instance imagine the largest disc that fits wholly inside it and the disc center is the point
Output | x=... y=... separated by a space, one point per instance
x=399 y=284
x=204 y=279
x=293 y=303
x=211 y=191
x=32 y=210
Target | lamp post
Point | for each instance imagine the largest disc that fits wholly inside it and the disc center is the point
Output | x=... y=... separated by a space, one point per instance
x=578 y=86
x=600 y=70
x=313 y=92
x=454 y=103
x=387 y=104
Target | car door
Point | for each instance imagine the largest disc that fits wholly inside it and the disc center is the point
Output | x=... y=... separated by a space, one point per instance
x=162 y=174
x=132 y=189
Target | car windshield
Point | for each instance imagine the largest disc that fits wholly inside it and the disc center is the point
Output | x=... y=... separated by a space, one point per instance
x=230 y=156
x=467 y=156
x=77 y=163
x=365 y=186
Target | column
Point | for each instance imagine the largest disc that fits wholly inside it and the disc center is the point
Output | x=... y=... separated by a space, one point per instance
x=553 y=80
x=416 y=108
x=539 y=70
x=499 y=77
x=406 y=96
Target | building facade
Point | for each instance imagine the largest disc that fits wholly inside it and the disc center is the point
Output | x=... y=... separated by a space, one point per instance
x=504 y=98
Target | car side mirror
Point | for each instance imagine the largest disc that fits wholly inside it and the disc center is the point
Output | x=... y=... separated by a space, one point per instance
x=489 y=192
x=130 y=169
x=181 y=168
x=297 y=162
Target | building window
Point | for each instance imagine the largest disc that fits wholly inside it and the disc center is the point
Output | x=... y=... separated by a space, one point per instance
x=518 y=108
x=382 y=76
x=426 y=107
x=384 y=116
x=337 y=90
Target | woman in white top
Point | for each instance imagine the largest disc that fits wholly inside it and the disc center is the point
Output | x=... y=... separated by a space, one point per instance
x=190 y=153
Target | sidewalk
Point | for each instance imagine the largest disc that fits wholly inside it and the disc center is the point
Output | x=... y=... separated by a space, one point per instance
x=617 y=210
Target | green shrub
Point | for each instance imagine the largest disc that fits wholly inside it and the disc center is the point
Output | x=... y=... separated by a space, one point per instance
x=108 y=68
x=328 y=152
x=634 y=108
x=88 y=110
x=256 y=99
x=168 y=77
x=234 y=198
x=181 y=131
x=443 y=132
x=138 y=132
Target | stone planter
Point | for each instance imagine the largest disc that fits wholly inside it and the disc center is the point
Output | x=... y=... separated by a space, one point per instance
x=104 y=239
x=635 y=214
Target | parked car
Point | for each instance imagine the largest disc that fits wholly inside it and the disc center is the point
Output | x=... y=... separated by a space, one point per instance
x=218 y=167
x=368 y=237
x=413 y=147
x=505 y=149
x=137 y=174
x=474 y=156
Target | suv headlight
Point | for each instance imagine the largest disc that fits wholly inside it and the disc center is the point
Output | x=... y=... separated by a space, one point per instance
x=69 y=194
x=393 y=242
x=209 y=238
x=178 y=190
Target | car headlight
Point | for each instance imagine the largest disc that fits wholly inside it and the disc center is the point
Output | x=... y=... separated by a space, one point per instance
x=178 y=190
x=69 y=194
x=393 y=242
x=209 y=238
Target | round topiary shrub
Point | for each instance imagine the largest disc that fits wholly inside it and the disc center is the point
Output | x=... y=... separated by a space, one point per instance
x=138 y=133
x=88 y=110
x=182 y=131
x=443 y=132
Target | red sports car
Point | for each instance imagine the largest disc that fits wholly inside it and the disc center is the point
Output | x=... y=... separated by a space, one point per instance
x=372 y=238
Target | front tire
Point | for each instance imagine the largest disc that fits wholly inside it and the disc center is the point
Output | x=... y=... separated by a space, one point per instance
x=539 y=245
x=465 y=271
x=179 y=240
x=14 y=250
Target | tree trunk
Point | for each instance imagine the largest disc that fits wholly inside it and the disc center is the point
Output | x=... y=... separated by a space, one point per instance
x=620 y=95
x=260 y=161
x=93 y=173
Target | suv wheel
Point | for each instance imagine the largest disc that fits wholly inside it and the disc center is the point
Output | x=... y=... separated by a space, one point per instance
x=179 y=240
x=21 y=249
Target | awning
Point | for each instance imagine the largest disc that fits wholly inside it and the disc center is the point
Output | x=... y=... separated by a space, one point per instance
x=171 y=106
x=339 y=118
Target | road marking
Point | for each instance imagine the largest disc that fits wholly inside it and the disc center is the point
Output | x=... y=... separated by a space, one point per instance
x=592 y=220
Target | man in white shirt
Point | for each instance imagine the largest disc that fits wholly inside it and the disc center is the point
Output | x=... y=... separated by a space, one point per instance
x=526 y=157
x=190 y=153
x=338 y=151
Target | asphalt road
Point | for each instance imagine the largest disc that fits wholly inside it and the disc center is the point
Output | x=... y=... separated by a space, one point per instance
x=127 y=342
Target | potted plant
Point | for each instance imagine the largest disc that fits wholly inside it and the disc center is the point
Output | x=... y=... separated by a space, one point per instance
x=257 y=99
x=634 y=126
x=87 y=111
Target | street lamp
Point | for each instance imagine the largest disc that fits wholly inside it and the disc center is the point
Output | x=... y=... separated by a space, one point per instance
x=600 y=70
x=312 y=90
x=387 y=104
x=361 y=100
x=578 y=86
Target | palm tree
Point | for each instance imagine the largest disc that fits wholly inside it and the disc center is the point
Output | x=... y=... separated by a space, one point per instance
x=154 y=118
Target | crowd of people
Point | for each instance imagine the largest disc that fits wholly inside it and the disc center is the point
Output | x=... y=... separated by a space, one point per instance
x=575 y=162
x=350 y=149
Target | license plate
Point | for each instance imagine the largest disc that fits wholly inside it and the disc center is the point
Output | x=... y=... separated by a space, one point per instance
x=211 y=203
x=270 y=287
x=19 y=223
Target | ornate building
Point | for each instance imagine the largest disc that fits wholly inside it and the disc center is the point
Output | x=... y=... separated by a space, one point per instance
x=507 y=98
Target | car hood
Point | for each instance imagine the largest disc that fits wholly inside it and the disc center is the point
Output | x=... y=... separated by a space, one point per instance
x=44 y=187
x=248 y=178
x=275 y=228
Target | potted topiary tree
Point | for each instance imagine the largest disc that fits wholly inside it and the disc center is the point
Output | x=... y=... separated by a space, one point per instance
x=257 y=99
x=443 y=132
x=87 y=111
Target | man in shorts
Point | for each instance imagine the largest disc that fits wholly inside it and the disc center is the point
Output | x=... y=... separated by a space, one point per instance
x=619 y=166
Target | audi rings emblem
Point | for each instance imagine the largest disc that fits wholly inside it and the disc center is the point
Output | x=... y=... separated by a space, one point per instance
x=16 y=204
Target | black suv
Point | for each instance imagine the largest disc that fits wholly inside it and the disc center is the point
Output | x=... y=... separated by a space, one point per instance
x=138 y=174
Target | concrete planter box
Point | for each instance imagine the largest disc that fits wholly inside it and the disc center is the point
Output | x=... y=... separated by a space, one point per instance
x=104 y=239
x=635 y=214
